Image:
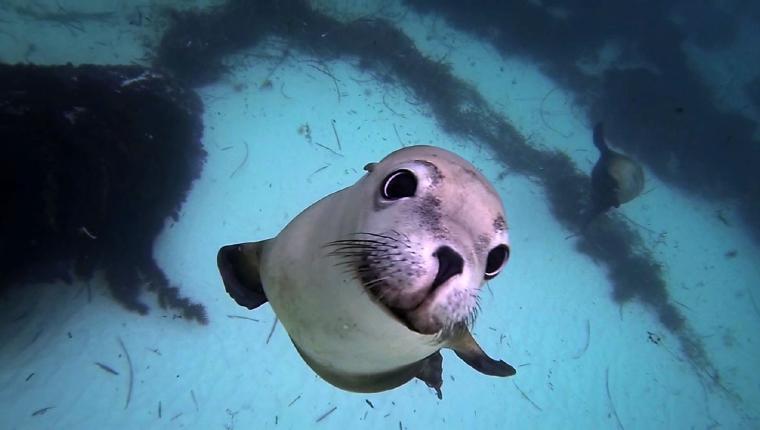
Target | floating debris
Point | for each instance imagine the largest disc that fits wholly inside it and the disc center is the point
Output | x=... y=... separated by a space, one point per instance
x=294 y=400
x=195 y=402
x=588 y=341
x=108 y=369
x=326 y=414
x=337 y=139
x=242 y=163
x=238 y=317
x=42 y=411
x=131 y=373
x=525 y=396
x=271 y=332
x=609 y=398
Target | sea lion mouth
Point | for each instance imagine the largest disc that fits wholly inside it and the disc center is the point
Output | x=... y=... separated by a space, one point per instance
x=409 y=315
x=375 y=259
x=405 y=316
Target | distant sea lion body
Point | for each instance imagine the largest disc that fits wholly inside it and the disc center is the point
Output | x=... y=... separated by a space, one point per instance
x=615 y=178
x=373 y=280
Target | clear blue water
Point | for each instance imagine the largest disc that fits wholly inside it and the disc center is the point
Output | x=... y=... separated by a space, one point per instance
x=583 y=359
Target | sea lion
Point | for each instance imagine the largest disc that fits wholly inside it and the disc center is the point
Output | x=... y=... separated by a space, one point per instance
x=615 y=179
x=372 y=281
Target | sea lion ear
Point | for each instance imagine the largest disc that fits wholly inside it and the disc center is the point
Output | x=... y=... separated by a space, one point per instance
x=239 y=266
x=467 y=348
x=369 y=167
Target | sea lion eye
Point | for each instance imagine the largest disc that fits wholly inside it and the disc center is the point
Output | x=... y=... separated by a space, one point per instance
x=399 y=184
x=495 y=261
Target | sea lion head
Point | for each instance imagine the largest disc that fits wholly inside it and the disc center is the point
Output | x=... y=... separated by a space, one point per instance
x=430 y=231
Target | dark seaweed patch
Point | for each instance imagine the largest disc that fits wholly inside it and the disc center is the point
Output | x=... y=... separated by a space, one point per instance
x=95 y=158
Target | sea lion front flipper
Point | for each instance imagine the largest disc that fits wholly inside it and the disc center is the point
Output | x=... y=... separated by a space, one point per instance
x=467 y=348
x=430 y=373
x=239 y=266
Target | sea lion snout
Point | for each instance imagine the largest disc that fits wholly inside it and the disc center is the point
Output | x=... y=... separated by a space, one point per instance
x=409 y=293
x=425 y=283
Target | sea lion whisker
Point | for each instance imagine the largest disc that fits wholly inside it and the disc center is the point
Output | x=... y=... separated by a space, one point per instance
x=371 y=252
x=347 y=262
x=342 y=246
x=355 y=276
x=469 y=321
x=360 y=248
x=355 y=241
x=349 y=271
x=349 y=253
x=476 y=297
x=376 y=292
x=346 y=254
x=375 y=281
x=352 y=248
x=380 y=269
x=379 y=296
x=369 y=233
x=371 y=237
x=353 y=245
x=382 y=236
x=364 y=272
x=404 y=235
x=364 y=251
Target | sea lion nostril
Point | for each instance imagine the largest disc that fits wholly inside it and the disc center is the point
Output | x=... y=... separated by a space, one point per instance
x=450 y=263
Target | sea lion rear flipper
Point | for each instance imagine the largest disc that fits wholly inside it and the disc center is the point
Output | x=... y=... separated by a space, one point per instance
x=467 y=348
x=430 y=373
x=239 y=266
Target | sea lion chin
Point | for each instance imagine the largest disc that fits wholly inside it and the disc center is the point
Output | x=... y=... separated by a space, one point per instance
x=373 y=280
